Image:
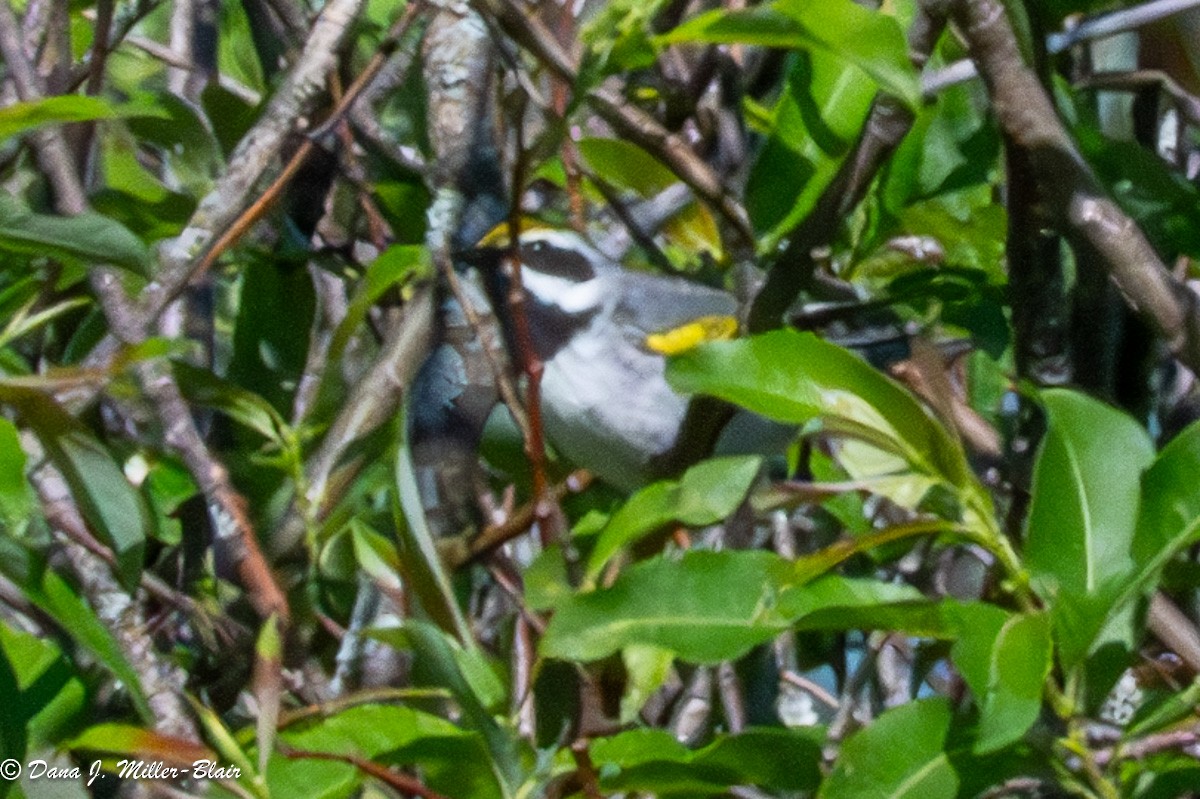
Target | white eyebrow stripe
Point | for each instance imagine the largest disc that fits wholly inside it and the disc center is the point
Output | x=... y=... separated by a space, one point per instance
x=568 y=295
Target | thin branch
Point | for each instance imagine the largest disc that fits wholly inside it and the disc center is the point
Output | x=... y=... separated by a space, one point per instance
x=1117 y=22
x=520 y=521
x=172 y=59
x=400 y=782
x=373 y=401
x=626 y=120
x=1187 y=103
x=265 y=201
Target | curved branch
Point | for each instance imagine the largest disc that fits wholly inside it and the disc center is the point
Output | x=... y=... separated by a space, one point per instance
x=1073 y=194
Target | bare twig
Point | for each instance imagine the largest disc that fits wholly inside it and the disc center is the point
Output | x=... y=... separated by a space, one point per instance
x=627 y=120
x=217 y=212
x=400 y=782
x=172 y=59
x=586 y=771
x=522 y=519
x=265 y=201
x=1188 y=104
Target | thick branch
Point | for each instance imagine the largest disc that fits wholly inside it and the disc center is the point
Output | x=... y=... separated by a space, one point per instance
x=1072 y=192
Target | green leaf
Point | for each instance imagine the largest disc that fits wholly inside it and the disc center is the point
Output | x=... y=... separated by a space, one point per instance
x=376 y=555
x=900 y=754
x=53 y=596
x=42 y=694
x=112 y=507
x=1005 y=658
x=202 y=387
x=712 y=606
x=871 y=41
x=452 y=761
x=546 y=579
x=647 y=669
x=18 y=118
x=1082 y=515
x=796 y=377
x=816 y=121
x=442 y=657
x=1169 y=516
x=706 y=494
x=16 y=500
x=423 y=567
x=706 y=607
x=87 y=237
x=626 y=165
x=652 y=761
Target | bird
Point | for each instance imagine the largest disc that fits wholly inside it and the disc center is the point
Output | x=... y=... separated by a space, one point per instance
x=606 y=403
x=603 y=333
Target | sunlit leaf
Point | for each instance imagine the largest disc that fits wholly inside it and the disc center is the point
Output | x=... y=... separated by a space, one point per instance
x=713 y=606
x=1086 y=490
x=870 y=40
x=22 y=117
x=900 y=754
x=796 y=377
x=816 y=121
x=706 y=494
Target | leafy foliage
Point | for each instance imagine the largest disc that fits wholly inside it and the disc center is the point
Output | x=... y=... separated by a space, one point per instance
x=930 y=532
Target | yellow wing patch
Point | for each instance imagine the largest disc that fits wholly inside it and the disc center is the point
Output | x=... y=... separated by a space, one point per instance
x=498 y=236
x=693 y=334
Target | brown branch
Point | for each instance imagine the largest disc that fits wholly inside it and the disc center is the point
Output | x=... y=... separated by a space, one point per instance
x=589 y=779
x=401 y=782
x=531 y=362
x=1070 y=189
x=517 y=524
x=265 y=201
